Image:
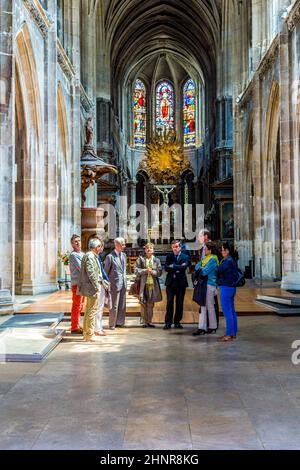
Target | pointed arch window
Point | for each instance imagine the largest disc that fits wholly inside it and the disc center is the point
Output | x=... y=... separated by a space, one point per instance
x=164 y=107
x=189 y=114
x=139 y=114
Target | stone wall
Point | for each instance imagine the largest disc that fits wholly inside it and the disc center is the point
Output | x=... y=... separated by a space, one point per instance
x=7 y=169
x=266 y=157
x=41 y=107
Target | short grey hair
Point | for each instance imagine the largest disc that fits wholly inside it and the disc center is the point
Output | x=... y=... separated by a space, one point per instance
x=204 y=231
x=119 y=240
x=94 y=242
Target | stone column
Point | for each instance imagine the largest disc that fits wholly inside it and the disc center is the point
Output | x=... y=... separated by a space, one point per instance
x=132 y=214
x=46 y=281
x=290 y=270
x=133 y=194
x=91 y=197
x=257 y=28
x=88 y=48
x=104 y=127
x=258 y=229
x=7 y=157
x=75 y=123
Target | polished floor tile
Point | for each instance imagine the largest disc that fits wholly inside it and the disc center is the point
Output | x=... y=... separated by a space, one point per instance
x=151 y=389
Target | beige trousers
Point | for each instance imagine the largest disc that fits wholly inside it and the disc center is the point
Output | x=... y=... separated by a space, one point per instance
x=89 y=316
x=147 y=312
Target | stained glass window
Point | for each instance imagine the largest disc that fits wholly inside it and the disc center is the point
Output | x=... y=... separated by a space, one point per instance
x=164 y=107
x=189 y=113
x=139 y=114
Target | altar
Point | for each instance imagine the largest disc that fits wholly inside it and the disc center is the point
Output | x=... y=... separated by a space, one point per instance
x=165 y=189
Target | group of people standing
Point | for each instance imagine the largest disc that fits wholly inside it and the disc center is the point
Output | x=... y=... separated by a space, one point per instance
x=100 y=284
x=218 y=269
x=106 y=284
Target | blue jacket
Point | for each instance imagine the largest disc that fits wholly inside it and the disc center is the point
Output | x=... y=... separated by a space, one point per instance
x=210 y=270
x=227 y=272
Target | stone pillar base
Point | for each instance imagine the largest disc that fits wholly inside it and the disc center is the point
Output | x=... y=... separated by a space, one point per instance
x=291 y=281
x=32 y=288
x=6 y=302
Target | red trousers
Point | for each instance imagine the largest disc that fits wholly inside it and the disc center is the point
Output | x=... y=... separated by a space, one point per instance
x=77 y=304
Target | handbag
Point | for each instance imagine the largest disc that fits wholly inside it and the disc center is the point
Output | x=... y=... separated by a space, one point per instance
x=241 y=279
x=135 y=287
x=200 y=288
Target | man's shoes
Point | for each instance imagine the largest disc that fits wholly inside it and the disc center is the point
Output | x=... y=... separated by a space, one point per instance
x=89 y=339
x=199 y=332
x=100 y=333
x=112 y=327
x=79 y=331
x=120 y=326
x=144 y=325
x=150 y=325
x=167 y=326
x=178 y=325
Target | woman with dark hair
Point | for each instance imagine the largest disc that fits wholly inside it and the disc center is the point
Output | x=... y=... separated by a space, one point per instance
x=208 y=267
x=227 y=274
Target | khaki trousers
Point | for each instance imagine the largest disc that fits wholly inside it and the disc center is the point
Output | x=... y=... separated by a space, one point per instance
x=147 y=312
x=89 y=316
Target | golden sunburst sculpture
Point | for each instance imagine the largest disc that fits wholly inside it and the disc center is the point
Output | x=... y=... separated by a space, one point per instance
x=165 y=160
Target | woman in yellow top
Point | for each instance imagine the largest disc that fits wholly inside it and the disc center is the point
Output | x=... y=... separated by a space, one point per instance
x=149 y=269
x=208 y=267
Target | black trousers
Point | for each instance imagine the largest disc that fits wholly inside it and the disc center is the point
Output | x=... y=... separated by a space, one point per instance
x=178 y=292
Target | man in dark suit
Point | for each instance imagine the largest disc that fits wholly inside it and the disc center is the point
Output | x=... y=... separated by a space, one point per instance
x=176 y=284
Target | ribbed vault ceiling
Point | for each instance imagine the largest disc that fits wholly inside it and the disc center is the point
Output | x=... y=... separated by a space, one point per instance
x=187 y=30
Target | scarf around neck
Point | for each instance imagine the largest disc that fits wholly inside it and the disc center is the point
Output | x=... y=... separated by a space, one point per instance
x=207 y=259
x=149 y=264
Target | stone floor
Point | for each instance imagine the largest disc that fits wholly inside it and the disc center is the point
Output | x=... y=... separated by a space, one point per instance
x=61 y=301
x=154 y=389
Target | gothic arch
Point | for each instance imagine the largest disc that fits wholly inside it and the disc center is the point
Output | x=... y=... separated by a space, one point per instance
x=62 y=123
x=29 y=157
x=192 y=38
x=64 y=216
x=26 y=64
x=272 y=123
